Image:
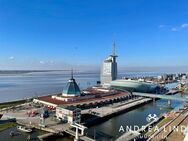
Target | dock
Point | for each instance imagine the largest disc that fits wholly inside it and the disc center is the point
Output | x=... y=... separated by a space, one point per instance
x=131 y=135
x=128 y=136
x=85 y=138
x=172 y=92
x=107 y=112
x=43 y=137
x=54 y=127
x=58 y=129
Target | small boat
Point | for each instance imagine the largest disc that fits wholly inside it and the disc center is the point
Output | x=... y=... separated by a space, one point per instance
x=24 y=129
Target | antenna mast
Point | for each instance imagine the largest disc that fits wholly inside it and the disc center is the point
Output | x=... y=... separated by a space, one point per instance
x=72 y=73
x=114 y=49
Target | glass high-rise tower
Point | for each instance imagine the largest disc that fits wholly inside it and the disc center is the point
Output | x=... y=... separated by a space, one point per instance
x=109 y=68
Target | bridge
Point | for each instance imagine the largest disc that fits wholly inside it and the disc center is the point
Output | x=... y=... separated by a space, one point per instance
x=151 y=95
x=82 y=128
x=161 y=96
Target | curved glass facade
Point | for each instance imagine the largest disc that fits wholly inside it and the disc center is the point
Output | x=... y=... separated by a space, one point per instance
x=135 y=86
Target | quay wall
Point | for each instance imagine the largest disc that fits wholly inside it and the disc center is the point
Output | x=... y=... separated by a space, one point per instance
x=98 y=120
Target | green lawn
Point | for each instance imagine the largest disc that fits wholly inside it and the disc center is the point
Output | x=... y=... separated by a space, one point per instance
x=12 y=103
x=7 y=125
x=160 y=124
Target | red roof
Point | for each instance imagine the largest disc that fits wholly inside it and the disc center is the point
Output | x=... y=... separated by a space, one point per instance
x=60 y=102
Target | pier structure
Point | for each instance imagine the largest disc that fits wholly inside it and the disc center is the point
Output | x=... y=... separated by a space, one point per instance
x=44 y=136
x=58 y=129
x=80 y=127
x=106 y=112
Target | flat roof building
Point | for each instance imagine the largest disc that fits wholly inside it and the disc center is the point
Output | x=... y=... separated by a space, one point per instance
x=69 y=114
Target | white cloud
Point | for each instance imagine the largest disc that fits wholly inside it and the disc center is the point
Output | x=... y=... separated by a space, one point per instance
x=42 y=62
x=184 y=25
x=161 y=26
x=11 y=58
x=174 y=29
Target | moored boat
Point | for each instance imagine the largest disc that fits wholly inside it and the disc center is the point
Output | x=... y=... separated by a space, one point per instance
x=24 y=129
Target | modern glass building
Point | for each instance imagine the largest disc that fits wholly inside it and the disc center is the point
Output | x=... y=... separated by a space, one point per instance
x=109 y=68
x=135 y=86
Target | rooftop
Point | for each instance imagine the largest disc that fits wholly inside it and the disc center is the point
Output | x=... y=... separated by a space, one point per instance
x=83 y=101
x=71 y=107
x=71 y=88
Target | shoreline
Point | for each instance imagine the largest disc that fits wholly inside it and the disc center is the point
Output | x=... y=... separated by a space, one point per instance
x=7 y=125
x=25 y=99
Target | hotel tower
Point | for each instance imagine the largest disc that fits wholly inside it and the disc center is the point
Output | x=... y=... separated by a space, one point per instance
x=109 y=68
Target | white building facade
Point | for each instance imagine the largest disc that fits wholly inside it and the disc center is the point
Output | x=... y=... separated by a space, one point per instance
x=69 y=114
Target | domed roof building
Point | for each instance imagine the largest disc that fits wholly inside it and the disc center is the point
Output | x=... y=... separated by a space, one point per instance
x=72 y=88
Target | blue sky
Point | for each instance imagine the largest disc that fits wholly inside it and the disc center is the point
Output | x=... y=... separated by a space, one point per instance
x=58 y=34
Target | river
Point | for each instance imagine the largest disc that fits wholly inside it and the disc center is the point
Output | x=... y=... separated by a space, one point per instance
x=25 y=85
x=36 y=84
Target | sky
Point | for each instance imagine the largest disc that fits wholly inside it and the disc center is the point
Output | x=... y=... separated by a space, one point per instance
x=61 y=34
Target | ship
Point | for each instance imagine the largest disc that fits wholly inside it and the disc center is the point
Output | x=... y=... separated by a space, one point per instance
x=24 y=129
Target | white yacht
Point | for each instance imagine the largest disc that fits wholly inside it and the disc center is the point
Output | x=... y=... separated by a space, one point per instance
x=24 y=129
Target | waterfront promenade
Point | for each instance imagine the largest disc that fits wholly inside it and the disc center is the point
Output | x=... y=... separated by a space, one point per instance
x=115 y=108
x=172 y=130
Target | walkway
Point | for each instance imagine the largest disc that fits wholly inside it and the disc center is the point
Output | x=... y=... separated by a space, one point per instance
x=161 y=96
